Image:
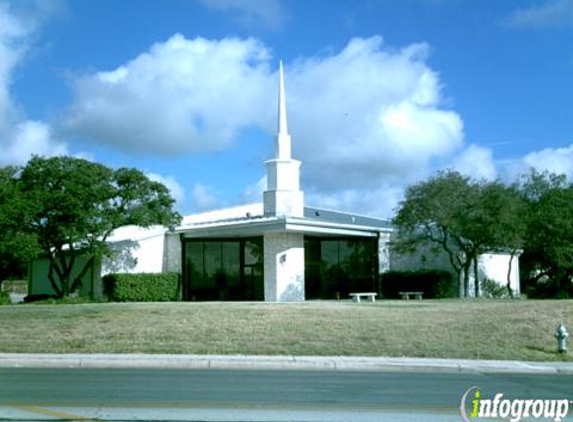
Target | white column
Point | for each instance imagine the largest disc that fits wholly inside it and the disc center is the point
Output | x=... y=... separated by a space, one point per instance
x=284 y=267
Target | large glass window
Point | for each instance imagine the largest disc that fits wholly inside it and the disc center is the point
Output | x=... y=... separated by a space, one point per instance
x=335 y=267
x=223 y=269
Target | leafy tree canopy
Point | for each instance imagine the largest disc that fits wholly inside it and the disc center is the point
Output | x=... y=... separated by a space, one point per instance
x=16 y=248
x=462 y=217
x=549 y=246
x=70 y=206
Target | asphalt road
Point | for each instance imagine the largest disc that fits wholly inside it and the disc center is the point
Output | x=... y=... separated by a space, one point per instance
x=245 y=395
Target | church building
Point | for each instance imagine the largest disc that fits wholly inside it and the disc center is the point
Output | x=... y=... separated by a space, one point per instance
x=280 y=249
x=277 y=250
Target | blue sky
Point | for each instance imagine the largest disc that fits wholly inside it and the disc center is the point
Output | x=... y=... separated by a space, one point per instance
x=380 y=93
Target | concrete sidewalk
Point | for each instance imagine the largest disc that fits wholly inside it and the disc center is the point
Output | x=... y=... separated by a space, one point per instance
x=332 y=363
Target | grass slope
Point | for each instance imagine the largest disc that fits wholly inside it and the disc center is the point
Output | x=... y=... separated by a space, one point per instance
x=516 y=330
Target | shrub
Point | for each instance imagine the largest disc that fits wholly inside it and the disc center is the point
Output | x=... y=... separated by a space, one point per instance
x=5 y=298
x=39 y=298
x=434 y=284
x=15 y=286
x=492 y=289
x=43 y=299
x=142 y=287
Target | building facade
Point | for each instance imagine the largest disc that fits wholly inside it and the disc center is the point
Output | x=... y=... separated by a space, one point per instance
x=277 y=250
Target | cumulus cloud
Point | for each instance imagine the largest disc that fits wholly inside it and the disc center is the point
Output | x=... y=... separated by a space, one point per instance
x=369 y=113
x=27 y=138
x=254 y=192
x=477 y=162
x=363 y=117
x=177 y=191
x=547 y=14
x=380 y=201
x=180 y=96
x=19 y=137
x=202 y=198
x=554 y=160
x=252 y=13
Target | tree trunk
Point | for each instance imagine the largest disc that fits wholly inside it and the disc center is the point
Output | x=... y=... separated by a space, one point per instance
x=77 y=284
x=509 y=289
x=64 y=271
x=467 y=279
x=476 y=277
x=52 y=280
x=460 y=283
x=564 y=284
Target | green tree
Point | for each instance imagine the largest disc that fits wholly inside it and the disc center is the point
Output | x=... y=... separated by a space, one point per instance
x=434 y=211
x=16 y=247
x=549 y=242
x=71 y=206
x=504 y=222
x=464 y=218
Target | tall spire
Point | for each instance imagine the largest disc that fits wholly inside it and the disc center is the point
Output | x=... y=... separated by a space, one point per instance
x=283 y=196
x=283 y=138
x=282 y=103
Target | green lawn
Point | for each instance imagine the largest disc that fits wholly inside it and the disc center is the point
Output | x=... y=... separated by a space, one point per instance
x=521 y=330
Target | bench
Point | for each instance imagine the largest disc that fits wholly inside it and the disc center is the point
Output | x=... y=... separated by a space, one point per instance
x=356 y=296
x=406 y=295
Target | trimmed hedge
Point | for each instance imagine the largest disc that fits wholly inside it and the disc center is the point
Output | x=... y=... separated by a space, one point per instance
x=5 y=298
x=142 y=287
x=14 y=286
x=435 y=284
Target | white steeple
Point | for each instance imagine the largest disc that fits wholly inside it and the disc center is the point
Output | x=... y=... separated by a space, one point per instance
x=283 y=196
x=283 y=138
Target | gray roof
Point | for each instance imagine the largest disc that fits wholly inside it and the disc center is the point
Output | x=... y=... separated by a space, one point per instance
x=330 y=216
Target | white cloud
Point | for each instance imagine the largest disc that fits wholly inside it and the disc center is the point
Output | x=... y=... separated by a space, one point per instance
x=177 y=191
x=202 y=198
x=476 y=161
x=554 y=160
x=19 y=137
x=180 y=96
x=254 y=192
x=545 y=14
x=27 y=138
x=369 y=114
x=252 y=13
x=379 y=201
x=363 y=117
x=13 y=34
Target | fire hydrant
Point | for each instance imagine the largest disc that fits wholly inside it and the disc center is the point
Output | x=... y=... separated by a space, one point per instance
x=561 y=335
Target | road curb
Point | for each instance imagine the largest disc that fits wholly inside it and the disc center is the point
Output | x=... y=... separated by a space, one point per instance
x=330 y=363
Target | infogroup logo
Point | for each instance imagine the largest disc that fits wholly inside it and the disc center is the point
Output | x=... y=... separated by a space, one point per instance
x=474 y=406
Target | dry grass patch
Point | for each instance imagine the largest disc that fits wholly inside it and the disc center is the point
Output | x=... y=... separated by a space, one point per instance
x=521 y=330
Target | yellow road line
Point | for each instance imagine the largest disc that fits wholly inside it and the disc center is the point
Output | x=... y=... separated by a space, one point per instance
x=295 y=406
x=55 y=413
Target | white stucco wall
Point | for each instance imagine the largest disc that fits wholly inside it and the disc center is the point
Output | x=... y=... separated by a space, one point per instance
x=496 y=266
x=284 y=203
x=172 y=253
x=136 y=250
x=283 y=175
x=284 y=267
x=384 y=262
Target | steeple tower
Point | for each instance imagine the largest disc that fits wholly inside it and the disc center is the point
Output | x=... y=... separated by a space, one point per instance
x=283 y=138
x=283 y=197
